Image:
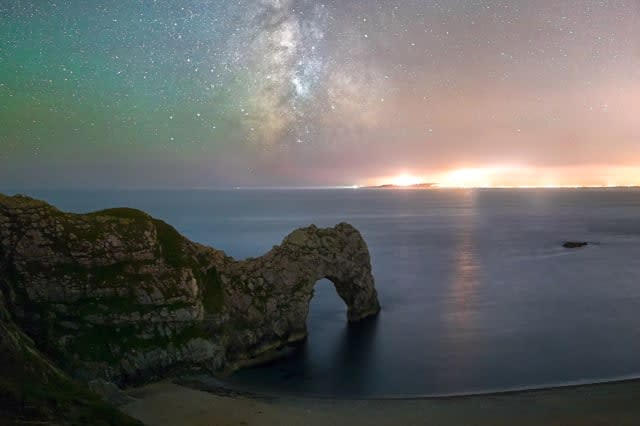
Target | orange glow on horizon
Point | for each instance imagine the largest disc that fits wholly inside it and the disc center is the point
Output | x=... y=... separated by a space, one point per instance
x=521 y=177
x=466 y=178
x=406 y=180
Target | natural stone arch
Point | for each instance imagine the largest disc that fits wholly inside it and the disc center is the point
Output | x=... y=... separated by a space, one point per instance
x=120 y=295
x=268 y=297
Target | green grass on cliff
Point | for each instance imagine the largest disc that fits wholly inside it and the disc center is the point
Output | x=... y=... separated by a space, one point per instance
x=122 y=213
x=171 y=242
x=70 y=339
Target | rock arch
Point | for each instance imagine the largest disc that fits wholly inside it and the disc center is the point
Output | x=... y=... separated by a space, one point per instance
x=268 y=297
x=120 y=295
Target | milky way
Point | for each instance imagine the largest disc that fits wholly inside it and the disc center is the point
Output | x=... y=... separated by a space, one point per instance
x=283 y=56
x=295 y=78
x=301 y=92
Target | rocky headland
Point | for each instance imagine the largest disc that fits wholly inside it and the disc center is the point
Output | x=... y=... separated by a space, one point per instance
x=117 y=296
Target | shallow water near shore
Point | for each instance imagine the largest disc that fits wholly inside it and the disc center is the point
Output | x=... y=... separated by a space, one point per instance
x=478 y=294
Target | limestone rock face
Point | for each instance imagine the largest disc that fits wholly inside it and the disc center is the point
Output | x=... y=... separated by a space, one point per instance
x=121 y=296
x=270 y=295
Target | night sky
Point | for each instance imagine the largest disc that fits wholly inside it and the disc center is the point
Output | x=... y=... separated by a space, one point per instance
x=298 y=92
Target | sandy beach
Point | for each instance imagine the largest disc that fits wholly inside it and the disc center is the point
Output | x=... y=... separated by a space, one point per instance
x=167 y=403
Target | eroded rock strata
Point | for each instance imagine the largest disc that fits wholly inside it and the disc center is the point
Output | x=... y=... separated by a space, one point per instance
x=121 y=296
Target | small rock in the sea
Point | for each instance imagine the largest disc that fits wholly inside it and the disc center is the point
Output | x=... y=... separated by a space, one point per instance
x=575 y=244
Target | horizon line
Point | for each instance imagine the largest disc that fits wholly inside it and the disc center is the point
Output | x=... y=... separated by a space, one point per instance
x=303 y=187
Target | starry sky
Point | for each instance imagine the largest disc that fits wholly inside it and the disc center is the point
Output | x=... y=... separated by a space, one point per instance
x=207 y=93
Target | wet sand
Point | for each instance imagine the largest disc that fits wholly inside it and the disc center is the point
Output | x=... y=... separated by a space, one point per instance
x=607 y=404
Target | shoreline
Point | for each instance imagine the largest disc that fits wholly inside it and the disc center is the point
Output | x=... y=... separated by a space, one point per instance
x=167 y=403
x=218 y=386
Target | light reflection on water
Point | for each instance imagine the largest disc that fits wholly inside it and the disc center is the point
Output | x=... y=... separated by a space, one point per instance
x=463 y=288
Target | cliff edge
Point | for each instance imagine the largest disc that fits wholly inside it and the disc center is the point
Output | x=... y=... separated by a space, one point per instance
x=121 y=296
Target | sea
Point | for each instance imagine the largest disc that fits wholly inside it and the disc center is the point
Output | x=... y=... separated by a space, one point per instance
x=478 y=295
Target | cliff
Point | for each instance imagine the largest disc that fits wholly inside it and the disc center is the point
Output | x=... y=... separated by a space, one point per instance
x=33 y=390
x=121 y=296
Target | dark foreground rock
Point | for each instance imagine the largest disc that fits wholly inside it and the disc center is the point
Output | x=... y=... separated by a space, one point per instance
x=34 y=391
x=120 y=296
x=574 y=244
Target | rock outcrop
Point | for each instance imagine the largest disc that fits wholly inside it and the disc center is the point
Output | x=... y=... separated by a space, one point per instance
x=120 y=296
x=267 y=298
x=575 y=244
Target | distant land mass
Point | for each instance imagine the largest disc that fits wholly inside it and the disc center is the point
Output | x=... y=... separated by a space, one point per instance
x=423 y=185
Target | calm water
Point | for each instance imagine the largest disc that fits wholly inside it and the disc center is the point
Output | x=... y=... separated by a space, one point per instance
x=477 y=293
